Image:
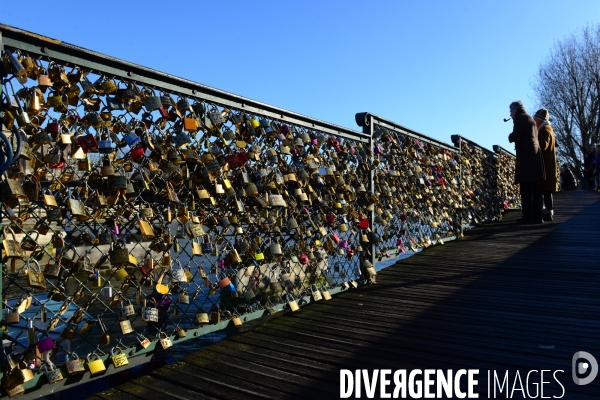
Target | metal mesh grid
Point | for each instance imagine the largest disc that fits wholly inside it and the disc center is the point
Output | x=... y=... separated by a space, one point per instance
x=508 y=191
x=417 y=183
x=481 y=197
x=189 y=211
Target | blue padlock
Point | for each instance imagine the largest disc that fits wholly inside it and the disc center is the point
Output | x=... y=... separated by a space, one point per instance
x=93 y=275
x=132 y=139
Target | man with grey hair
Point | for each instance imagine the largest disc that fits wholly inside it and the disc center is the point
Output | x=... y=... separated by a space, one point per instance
x=529 y=169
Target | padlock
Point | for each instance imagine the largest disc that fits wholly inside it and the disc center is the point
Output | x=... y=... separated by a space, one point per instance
x=149 y=314
x=95 y=364
x=177 y=273
x=119 y=181
x=106 y=145
x=88 y=143
x=12 y=317
x=119 y=255
x=183 y=297
x=316 y=293
x=107 y=292
x=12 y=248
x=143 y=341
x=131 y=139
x=45 y=344
x=202 y=317
x=165 y=340
x=292 y=303
x=118 y=358
x=52 y=373
x=74 y=364
x=326 y=294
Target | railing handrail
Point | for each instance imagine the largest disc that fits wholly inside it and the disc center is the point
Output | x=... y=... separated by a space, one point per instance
x=499 y=149
x=455 y=139
x=111 y=66
x=362 y=118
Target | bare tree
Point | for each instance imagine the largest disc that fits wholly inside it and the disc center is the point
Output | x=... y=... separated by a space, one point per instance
x=568 y=85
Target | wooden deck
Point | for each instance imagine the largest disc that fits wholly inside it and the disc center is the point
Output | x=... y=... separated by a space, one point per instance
x=505 y=297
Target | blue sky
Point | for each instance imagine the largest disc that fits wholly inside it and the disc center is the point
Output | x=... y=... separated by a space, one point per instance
x=438 y=67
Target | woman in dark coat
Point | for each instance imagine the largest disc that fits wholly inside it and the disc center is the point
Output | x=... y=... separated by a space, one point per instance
x=529 y=169
x=547 y=145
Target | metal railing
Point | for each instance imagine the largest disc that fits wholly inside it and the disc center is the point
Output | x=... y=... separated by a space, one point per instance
x=416 y=179
x=508 y=190
x=196 y=207
x=481 y=199
x=160 y=209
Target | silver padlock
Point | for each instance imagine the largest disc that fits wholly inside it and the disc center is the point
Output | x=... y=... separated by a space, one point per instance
x=184 y=297
x=126 y=327
x=316 y=293
x=165 y=340
x=107 y=291
x=52 y=373
x=127 y=310
x=178 y=274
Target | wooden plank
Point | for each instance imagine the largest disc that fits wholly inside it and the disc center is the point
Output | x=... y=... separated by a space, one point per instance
x=141 y=392
x=487 y=301
x=113 y=394
x=205 y=381
x=168 y=389
x=258 y=370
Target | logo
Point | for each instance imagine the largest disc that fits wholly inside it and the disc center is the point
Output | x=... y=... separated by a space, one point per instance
x=590 y=364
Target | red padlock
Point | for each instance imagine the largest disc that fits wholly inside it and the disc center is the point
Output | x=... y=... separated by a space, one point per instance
x=224 y=283
x=137 y=153
x=364 y=224
x=330 y=218
x=163 y=113
x=232 y=160
x=52 y=128
x=88 y=143
x=242 y=159
x=303 y=259
x=58 y=165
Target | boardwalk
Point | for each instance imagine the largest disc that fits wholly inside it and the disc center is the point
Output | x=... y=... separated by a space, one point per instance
x=505 y=297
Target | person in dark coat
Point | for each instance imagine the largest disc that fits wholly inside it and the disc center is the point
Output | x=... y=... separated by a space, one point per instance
x=596 y=168
x=547 y=145
x=569 y=182
x=529 y=169
x=588 y=167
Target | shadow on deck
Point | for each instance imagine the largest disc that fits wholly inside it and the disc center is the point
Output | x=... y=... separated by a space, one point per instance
x=505 y=297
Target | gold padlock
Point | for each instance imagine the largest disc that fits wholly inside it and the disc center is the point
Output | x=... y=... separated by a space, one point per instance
x=95 y=364
x=119 y=358
x=202 y=317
